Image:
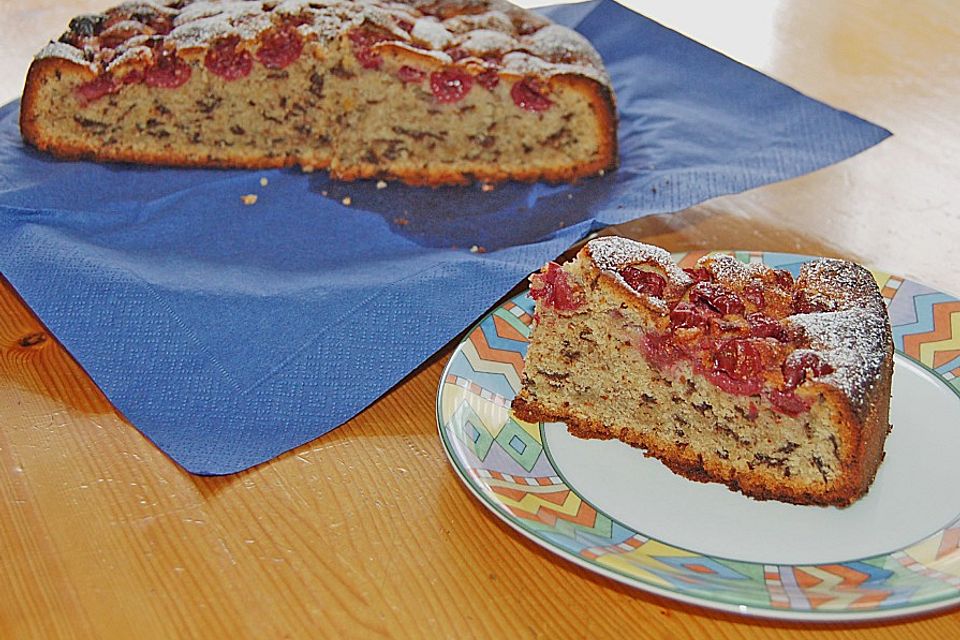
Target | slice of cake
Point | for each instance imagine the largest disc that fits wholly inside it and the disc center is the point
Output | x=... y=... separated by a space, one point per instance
x=426 y=91
x=727 y=372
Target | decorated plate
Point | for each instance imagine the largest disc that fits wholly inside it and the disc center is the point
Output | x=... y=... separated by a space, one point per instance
x=604 y=506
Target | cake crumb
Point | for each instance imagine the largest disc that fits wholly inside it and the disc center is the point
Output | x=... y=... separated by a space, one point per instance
x=486 y=187
x=381 y=184
x=250 y=198
x=477 y=249
x=264 y=182
x=401 y=221
x=306 y=168
x=346 y=201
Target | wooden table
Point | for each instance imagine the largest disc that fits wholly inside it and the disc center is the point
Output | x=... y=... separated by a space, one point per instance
x=367 y=531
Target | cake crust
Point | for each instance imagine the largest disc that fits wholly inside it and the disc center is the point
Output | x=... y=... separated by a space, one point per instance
x=429 y=93
x=614 y=355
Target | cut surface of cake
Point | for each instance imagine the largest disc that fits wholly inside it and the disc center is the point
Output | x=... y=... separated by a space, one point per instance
x=428 y=92
x=726 y=372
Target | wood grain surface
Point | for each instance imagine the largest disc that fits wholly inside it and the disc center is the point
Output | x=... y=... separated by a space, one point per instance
x=367 y=532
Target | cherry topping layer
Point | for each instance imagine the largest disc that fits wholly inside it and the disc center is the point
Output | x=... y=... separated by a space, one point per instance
x=224 y=60
x=280 y=48
x=642 y=281
x=787 y=402
x=795 y=368
x=753 y=293
x=688 y=316
x=738 y=358
x=450 y=85
x=699 y=274
x=168 y=72
x=733 y=335
x=763 y=326
x=363 y=41
x=716 y=297
x=527 y=94
x=553 y=288
x=97 y=88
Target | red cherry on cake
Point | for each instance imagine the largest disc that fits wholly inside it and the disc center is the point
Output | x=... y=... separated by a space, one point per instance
x=717 y=297
x=450 y=85
x=363 y=41
x=642 y=281
x=795 y=368
x=787 y=402
x=688 y=316
x=738 y=358
x=226 y=61
x=280 y=48
x=528 y=95
x=763 y=326
x=553 y=288
x=97 y=88
x=489 y=79
x=168 y=72
x=784 y=278
x=699 y=274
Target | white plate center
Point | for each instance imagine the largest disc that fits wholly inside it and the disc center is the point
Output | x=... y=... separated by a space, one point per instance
x=912 y=497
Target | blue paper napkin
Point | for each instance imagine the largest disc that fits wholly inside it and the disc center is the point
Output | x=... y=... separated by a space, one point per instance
x=229 y=333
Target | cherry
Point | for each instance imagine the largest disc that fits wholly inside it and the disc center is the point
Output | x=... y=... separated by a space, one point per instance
x=168 y=72
x=717 y=297
x=553 y=288
x=642 y=281
x=699 y=274
x=527 y=94
x=280 y=48
x=787 y=402
x=795 y=368
x=450 y=85
x=738 y=358
x=763 y=326
x=489 y=79
x=688 y=316
x=660 y=350
x=224 y=60
x=97 y=88
x=784 y=278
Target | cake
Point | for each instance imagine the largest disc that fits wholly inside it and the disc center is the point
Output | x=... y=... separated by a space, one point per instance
x=726 y=372
x=426 y=91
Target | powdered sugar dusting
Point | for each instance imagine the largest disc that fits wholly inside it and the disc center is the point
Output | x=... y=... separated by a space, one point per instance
x=612 y=253
x=65 y=51
x=529 y=44
x=485 y=41
x=855 y=342
x=850 y=331
x=729 y=270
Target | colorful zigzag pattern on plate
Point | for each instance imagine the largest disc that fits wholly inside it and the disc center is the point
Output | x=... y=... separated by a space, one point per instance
x=504 y=461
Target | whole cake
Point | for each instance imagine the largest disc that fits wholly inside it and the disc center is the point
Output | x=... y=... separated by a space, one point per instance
x=727 y=372
x=426 y=91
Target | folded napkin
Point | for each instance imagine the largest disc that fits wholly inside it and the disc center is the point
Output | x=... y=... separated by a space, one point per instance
x=230 y=333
